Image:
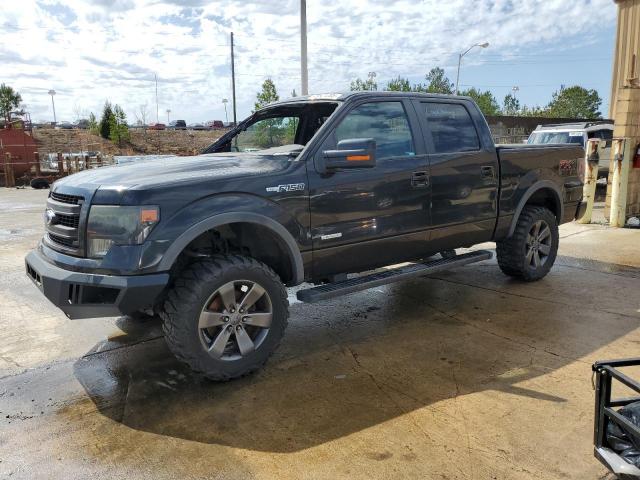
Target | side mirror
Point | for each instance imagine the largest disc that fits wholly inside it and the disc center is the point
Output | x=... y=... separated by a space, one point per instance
x=350 y=153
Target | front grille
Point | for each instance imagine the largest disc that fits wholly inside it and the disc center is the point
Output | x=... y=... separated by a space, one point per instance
x=63 y=228
x=67 y=242
x=64 y=198
x=67 y=220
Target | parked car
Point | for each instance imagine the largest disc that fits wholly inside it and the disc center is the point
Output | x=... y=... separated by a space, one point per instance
x=197 y=126
x=82 y=124
x=157 y=126
x=178 y=125
x=214 y=125
x=578 y=133
x=64 y=126
x=301 y=191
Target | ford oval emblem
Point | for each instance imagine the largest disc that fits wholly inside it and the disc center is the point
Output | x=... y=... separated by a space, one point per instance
x=49 y=216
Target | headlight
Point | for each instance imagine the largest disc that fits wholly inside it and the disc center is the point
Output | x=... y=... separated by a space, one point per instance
x=118 y=225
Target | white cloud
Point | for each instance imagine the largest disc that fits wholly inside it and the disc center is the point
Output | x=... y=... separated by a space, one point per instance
x=94 y=50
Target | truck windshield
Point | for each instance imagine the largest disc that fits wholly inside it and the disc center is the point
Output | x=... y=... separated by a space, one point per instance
x=537 y=138
x=267 y=133
x=276 y=127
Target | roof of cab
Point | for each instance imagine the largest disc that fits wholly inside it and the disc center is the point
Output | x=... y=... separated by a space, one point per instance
x=342 y=96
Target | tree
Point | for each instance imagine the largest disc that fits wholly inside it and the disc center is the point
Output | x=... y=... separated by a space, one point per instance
x=9 y=101
x=485 y=100
x=511 y=105
x=118 y=129
x=369 y=84
x=105 y=121
x=575 y=102
x=92 y=126
x=437 y=82
x=268 y=94
x=141 y=116
x=78 y=112
x=398 y=84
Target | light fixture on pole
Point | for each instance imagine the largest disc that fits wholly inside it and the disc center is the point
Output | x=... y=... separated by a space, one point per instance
x=481 y=45
x=224 y=102
x=53 y=104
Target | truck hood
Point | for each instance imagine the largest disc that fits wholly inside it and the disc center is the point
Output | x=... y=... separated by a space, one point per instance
x=154 y=171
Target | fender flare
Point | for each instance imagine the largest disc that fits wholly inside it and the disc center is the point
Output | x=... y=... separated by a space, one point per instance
x=541 y=185
x=294 y=255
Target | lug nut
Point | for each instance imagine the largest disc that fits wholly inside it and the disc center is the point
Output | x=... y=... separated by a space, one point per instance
x=245 y=319
x=226 y=319
x=233 y=310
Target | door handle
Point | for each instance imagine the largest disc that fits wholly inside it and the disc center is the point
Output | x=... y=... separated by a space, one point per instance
x=420 y=179
x=487 y=172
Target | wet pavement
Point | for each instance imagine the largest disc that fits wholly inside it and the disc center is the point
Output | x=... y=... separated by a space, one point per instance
x=467 y=374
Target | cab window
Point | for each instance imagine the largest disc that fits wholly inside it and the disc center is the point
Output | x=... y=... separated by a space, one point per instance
x=385 y=122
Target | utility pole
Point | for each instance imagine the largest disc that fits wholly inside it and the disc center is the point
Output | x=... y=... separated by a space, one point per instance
x=53 y=104
x=168 y=112
x=157 y=111
x=304 y=74
x=233 y=82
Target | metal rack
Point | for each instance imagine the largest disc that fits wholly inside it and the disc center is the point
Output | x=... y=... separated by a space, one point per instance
x=605 y=411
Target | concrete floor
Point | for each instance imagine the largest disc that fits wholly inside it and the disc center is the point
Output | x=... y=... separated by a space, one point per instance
x=467 y=374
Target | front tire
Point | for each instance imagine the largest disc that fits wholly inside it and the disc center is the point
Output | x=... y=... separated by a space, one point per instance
x=225 y=316
x=531 y=251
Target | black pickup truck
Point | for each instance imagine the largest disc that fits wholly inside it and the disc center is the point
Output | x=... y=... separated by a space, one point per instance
x=305 y=190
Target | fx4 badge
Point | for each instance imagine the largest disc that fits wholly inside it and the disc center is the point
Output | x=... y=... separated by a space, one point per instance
x=289 y=187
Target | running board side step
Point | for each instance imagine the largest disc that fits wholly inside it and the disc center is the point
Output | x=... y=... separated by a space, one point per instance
x=331 y=290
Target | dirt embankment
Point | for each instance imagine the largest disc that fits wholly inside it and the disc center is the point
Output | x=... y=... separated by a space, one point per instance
x=178 y=142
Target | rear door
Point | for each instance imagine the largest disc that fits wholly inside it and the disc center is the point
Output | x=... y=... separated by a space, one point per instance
x=363 y=218
x=464 y=173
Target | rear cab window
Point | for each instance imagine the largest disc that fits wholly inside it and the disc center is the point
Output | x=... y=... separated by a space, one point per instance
x=451 y=128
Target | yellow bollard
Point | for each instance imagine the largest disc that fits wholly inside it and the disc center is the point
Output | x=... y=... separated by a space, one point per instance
x=622 y=154
x=591 y=159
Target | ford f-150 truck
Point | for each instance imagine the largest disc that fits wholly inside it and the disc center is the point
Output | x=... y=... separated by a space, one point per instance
x=304 y=190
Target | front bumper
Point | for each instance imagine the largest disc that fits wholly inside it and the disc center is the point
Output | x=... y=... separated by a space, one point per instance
x=86 y=295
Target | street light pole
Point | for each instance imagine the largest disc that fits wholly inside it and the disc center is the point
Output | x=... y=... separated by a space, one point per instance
x=168 y=112
x=481 y=45
x=53 y=104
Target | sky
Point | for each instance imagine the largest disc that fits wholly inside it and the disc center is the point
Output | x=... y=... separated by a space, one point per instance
x=90 y=51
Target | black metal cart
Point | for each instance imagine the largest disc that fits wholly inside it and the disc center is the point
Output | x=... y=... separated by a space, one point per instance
x=605 y=372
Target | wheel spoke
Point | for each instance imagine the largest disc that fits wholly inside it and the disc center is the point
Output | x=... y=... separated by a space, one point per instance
x=262 y=320
x=252 y=297
x=245 y=344
x=544 y=233
x=217 y=347
x=210 y=319
x=228 y=295
x=529 y=255
x=536 y=259
x=545 y=249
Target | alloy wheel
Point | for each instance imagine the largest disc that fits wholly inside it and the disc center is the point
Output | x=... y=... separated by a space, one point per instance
x=235 y=320
x=538 y=245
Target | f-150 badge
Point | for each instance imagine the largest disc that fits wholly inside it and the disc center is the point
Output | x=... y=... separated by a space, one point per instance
x=289 y=187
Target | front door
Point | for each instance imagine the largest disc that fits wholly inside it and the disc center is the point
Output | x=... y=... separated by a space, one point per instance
x=365 y=218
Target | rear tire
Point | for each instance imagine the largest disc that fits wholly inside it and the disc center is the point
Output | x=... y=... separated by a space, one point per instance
x=531 y=251
x=225 y=316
